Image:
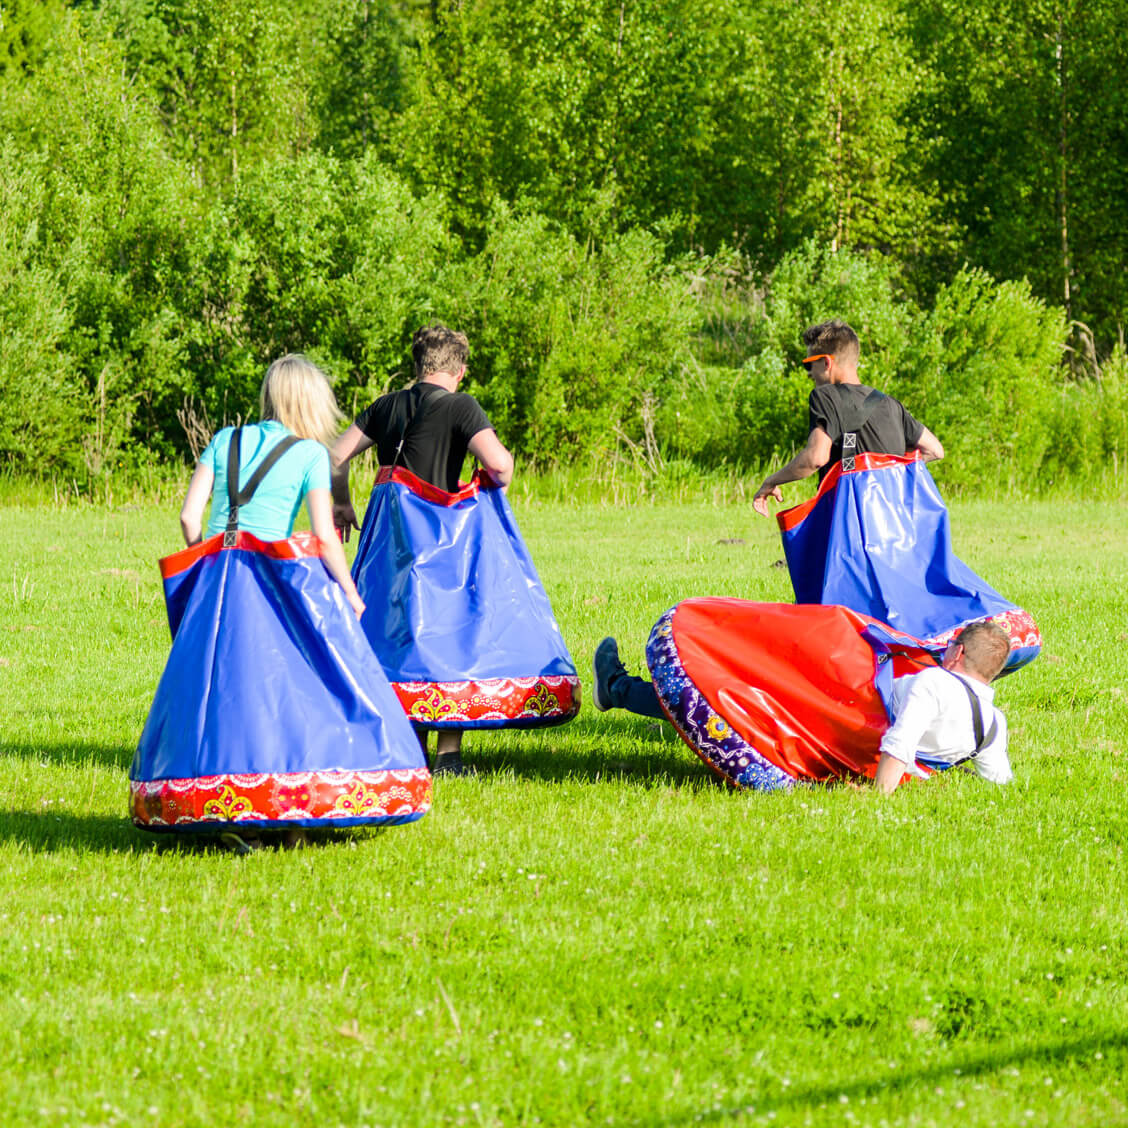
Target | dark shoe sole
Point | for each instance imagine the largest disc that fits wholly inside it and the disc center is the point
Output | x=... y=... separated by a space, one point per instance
x=601 y=702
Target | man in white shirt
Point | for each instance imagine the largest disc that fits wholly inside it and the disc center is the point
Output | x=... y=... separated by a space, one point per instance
x=945 y=715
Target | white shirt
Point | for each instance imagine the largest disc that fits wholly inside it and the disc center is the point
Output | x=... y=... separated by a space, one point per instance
x=933 y=721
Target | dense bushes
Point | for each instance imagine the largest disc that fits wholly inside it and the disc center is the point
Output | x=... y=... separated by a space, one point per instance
x=139 y=307
x=981 y=367
x=43 y=412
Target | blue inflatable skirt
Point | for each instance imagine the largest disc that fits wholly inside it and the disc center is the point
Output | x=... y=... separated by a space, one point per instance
x=456 y=611
x=272 y=710
x=876 y=539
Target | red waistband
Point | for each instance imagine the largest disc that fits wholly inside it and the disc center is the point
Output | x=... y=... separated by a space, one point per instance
x=789 y=518
x=294 y=548
x=425 y=490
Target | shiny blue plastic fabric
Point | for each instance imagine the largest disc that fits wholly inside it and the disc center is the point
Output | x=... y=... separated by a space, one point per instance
x=269 y=672
x=879 y=543
x=451 y=592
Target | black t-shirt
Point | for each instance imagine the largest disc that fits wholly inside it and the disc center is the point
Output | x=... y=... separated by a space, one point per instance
x=887 y=427
x=441 y=426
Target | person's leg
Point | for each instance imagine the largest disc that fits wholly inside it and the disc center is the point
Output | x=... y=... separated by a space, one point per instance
x=448 y=753
x=616 y=689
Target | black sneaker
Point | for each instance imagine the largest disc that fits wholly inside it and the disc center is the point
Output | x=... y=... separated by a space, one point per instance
x=450 y=763
x=605 y=667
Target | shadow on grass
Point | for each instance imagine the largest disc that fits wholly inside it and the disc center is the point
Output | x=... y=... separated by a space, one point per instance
x=49 y=831
x=52 y=830
x=649 y=753
x=74 y=754
x=954 y=1072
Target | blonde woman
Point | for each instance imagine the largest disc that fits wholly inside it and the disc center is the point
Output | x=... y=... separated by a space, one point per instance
x=273 y=712
x=296 y=401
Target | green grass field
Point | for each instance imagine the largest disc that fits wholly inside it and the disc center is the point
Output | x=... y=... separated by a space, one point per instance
x=590 y=930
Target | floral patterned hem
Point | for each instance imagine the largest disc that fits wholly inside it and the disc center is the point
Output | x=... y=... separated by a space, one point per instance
x=699 y=724
x=491 y=702
x=283 y=798
x=1025 y=638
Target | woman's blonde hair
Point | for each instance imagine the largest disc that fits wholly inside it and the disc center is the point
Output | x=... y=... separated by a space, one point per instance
x=297 y=394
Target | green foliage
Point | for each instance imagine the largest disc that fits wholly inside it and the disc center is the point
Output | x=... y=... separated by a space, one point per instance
x=984 y=374
x=26 y=27
x=111 y=230
x=366 y=54
x=633 y=210
x=41 y=405
x=1020 y=119
x=227 y=76
x=568 y=342
x=756 y=408
x=1090 y=425
x=331 y=258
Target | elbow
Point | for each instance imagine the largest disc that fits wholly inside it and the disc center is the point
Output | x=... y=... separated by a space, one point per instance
x=930 y=447
x=501 y=470
x=338 y=463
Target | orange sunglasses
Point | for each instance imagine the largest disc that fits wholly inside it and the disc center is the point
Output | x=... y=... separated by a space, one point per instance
x=808 y=361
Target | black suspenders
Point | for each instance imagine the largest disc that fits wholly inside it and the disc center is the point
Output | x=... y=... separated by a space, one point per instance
x=236 y=496
x=415 y=413
x=850 y=436
x=981 y=739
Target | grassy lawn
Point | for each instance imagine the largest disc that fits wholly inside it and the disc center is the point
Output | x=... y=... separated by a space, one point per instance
x=590 y=930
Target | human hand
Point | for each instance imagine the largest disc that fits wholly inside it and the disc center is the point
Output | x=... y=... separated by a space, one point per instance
x=357 y=604
x=760 y=501
x=344 y=519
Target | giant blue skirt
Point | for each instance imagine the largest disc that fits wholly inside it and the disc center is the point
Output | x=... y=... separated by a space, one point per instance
x=456 y=611
x=876 y=539
x=272 y=710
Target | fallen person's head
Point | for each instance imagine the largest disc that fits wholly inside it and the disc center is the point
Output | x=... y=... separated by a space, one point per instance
x=833 y=338
x=435 y=348
x=986 y=647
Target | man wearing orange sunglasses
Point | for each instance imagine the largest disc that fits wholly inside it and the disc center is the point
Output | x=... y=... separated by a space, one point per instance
x=841 y=403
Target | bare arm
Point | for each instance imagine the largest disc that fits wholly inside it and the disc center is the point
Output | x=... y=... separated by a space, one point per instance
x=918 y=711
x=889 y=773
x=350 y=444
x=192 y=511
x=812 y=457
x=487 y=449
x=930 y=446
x=320 y=506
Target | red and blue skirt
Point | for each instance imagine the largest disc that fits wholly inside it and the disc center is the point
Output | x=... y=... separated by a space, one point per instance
x=456 y=611
x=876 y=539
x=773 y=694
x=272 y=710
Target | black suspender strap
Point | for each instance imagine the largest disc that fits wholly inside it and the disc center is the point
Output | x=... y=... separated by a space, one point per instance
x=237 y=497
x=981 y=739
x=416 y=400
x=858 y=419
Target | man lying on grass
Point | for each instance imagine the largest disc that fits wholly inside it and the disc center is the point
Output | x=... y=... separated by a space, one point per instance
x=943 y=716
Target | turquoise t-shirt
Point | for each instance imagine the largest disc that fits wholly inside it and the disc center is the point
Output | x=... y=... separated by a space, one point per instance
x=270 y=514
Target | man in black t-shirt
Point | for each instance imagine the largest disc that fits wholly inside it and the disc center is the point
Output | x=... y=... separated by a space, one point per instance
x=841 y=404
x=427 y=429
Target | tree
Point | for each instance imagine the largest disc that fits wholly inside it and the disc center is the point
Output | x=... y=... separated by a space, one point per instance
x=1026 y=105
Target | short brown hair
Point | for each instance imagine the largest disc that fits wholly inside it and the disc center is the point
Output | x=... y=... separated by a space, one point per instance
x=834 y=337
x=986 y=648
x=435 y=348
